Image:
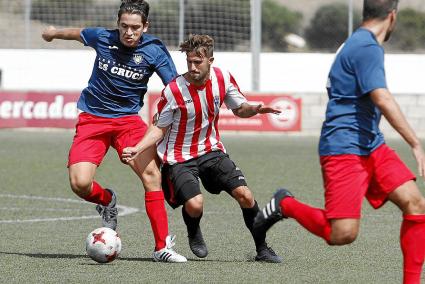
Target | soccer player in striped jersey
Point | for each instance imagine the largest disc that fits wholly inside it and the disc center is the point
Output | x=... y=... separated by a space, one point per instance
x=125 y=60
x=190 y=146
x=356 y=162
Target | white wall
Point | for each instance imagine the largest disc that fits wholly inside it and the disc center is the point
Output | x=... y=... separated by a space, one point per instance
x=69 y=70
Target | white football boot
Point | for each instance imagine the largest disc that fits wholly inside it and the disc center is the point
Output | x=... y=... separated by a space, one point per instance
x=167 y=254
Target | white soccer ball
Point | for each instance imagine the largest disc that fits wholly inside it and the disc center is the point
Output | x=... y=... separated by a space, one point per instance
x=103 y=245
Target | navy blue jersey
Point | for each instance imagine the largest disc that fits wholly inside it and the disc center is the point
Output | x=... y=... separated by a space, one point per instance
x=120 y=74
x=352 y=119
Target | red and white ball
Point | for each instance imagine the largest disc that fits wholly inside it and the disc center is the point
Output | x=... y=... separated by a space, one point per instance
x=103 y=245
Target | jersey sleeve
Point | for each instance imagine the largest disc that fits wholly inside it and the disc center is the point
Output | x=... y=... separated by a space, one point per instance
x=164 y=116
x=234 y=97
x=90 y=36
x=369 y=69
x=164 y=66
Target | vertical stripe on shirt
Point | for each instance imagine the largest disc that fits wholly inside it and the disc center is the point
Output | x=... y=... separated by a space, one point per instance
x=210 y=101
x=182 y=124
x=198 y=120
x=222 y=90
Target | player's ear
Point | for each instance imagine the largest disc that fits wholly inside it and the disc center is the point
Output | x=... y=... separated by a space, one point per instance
x=392 y=15
x=211 y=60
x=145 y=27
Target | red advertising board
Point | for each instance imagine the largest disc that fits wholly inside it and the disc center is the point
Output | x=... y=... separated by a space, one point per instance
x=38 y=109
x=59 y=109
x=288 y=120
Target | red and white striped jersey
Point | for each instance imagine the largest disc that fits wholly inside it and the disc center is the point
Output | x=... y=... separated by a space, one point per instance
x=192 y=115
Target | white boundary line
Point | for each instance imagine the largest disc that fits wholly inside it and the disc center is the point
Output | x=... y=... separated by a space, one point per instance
x=123 y=210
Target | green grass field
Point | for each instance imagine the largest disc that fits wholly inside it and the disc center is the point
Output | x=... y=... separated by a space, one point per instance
x=51 y=247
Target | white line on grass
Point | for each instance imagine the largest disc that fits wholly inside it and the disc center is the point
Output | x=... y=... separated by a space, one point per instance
x=123 y=210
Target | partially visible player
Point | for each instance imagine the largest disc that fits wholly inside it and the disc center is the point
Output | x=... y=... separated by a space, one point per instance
x=126 y=58
x=190 y=146
x=355 y=160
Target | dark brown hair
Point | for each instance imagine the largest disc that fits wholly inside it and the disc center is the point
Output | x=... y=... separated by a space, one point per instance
x=201 y=44
x=378 y=9
x=139 y=7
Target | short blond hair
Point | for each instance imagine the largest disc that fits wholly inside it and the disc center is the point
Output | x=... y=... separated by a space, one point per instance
x=201 y=44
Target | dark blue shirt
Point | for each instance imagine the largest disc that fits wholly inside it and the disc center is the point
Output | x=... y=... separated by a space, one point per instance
x=352 y=120
x=120 y=74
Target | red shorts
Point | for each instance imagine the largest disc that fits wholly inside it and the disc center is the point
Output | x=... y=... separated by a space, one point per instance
x=94 y=135
x=349 y=178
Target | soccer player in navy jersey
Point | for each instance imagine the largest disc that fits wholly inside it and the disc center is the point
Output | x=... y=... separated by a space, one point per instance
x=355 y=160
x=125 y=60
x=190 y=146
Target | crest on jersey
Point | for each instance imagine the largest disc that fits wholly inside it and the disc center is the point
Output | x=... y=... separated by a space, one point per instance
x=138 y=58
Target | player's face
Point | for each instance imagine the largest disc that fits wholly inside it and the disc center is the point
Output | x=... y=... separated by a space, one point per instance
x=131 y=28
x=198 y=67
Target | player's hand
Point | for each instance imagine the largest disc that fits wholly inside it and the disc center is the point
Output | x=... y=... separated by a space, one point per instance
x=419 y=154
x=49 y=33
x=129 y=154
x=266 y=109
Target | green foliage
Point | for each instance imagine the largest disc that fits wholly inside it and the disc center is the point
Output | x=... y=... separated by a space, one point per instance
x=328 y=28
x=278 y=21
x=409 y=34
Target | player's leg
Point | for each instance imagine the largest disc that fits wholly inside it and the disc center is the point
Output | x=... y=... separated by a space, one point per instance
x=346 y=180
x=129 y=131
x=146 y=166
x=192 y=212
x=89 y=146
x=219 y=173
x=412 y=233
x=250 y=209
x=81 y=177
x=394 y=181
x=181 y=186
x=175 y=181
x=284 y=205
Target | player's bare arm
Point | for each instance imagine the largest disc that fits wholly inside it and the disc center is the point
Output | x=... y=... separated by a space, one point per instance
x=153 y=135
x=386 y=103
x=247 y=110
x=52 y=33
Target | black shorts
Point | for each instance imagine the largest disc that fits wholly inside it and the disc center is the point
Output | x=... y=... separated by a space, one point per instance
x=180 y=182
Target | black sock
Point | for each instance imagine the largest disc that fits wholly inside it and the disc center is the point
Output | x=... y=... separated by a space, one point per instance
x=248 y=216
x=192 y=223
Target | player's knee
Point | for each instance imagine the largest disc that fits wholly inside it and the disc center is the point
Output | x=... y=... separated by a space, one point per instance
x=416 y=206
x=243 y=196
x=151 y=172
x=412 y=205
x=151 y=175
x=343 y=237
x=194 y=206
x=80 y=185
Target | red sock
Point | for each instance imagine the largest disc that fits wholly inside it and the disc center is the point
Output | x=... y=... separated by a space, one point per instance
x=99 y=195
x=412 y=241
x=155 y=208
x=313 y=219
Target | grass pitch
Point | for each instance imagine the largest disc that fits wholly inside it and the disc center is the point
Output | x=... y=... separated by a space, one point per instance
x=43 y=225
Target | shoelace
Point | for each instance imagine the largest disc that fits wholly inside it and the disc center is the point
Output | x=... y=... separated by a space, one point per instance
x=109 y=213
x=271 y=250
x=171 y=242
